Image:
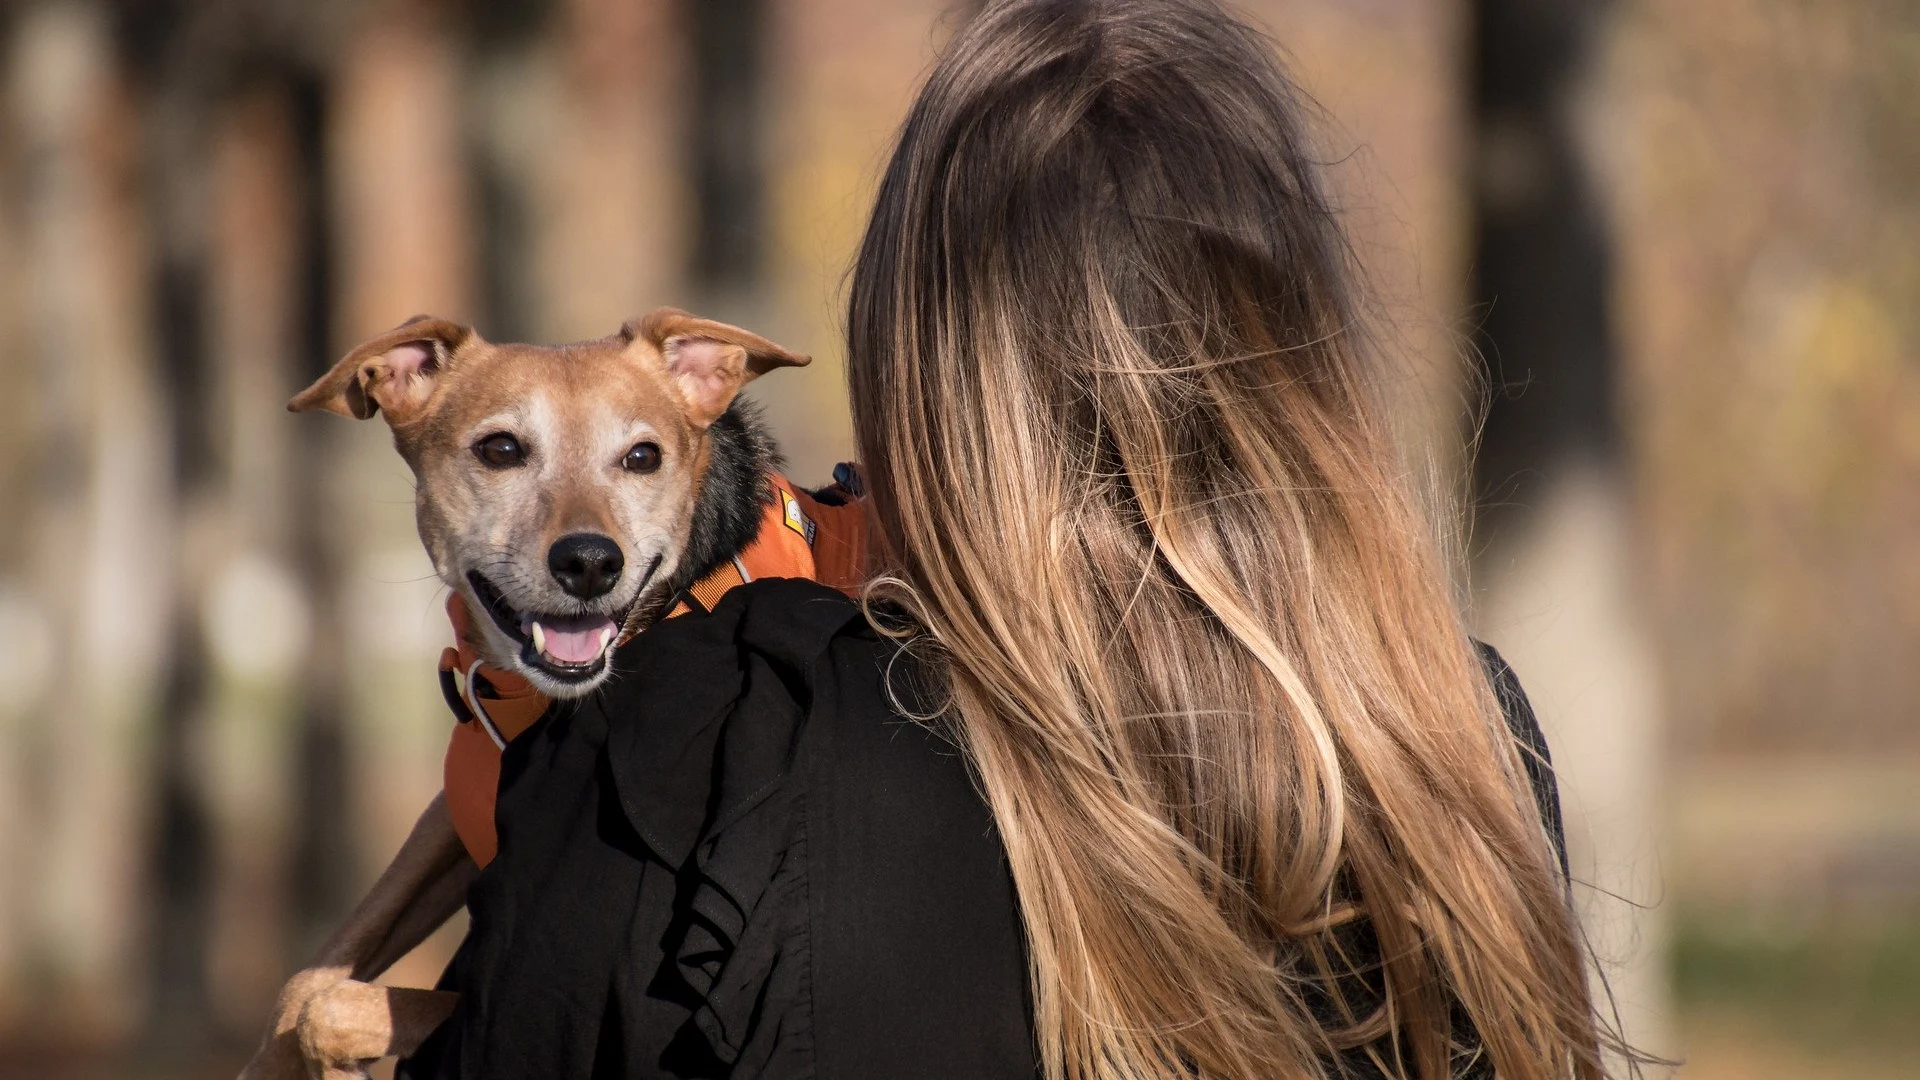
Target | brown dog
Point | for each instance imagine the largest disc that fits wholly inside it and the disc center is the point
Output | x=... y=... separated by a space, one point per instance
x=568 y=493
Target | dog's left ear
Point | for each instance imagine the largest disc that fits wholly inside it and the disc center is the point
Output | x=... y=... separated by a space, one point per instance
x=707 y=361
x=394 y=371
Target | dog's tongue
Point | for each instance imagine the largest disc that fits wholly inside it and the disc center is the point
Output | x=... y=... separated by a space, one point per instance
x=572 y=639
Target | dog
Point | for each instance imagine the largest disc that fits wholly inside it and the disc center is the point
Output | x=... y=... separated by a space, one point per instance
x=568 y=496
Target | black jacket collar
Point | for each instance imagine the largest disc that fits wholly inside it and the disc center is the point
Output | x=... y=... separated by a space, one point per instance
x=676 y=693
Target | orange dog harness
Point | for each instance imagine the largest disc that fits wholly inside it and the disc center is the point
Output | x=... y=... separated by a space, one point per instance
x=799 y=536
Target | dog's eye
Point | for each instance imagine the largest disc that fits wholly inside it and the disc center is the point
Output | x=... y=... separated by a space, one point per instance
x=643 y=458
x=500 y=450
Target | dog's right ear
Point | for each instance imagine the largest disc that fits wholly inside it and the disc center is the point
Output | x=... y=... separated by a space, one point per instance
x=708 y=361
x=394 y=371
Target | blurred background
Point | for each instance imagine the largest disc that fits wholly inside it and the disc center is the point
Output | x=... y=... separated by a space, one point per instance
x=1672 y=246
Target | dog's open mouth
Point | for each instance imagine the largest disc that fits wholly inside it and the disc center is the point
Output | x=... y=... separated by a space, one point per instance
x=570 y=648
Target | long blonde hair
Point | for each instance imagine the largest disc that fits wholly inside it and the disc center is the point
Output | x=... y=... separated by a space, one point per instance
x=1130 y=476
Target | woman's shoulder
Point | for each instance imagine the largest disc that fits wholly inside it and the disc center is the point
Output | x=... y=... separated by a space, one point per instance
x=915 y=957
x=791 y=661
x=1524 y=725
x=847 y=708
x=919 y=955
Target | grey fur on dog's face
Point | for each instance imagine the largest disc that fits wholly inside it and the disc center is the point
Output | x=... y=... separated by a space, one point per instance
x=628 y=441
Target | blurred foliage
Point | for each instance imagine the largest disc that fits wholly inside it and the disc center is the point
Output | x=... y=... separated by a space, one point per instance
x=1820 y=984
x=1769 y=207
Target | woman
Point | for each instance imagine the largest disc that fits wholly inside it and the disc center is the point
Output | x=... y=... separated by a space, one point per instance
x=1158 y=749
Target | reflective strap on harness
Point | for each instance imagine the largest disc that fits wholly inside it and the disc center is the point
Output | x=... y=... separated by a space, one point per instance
x=463 y=699
x=480 y=714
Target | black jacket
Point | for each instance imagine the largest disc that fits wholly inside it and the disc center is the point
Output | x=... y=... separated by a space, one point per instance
x=737 y=859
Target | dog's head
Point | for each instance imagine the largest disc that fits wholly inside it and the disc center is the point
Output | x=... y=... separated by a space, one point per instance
x=555 y=485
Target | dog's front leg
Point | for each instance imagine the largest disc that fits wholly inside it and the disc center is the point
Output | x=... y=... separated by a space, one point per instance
x=419 y=890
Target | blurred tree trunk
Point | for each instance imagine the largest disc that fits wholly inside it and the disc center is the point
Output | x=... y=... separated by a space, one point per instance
x=1556 y=530
x=839 y=77
x=577 y=114
x=24 y=624
x=324 y=854
x=403 y=220
x=102 y=519
x=1542 y=263
x=179 y=1015
x=253 y=612
x=727 y=254
x=610 y=182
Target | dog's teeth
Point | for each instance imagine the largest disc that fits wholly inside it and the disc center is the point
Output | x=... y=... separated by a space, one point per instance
x=539 y=639
x=605 y=636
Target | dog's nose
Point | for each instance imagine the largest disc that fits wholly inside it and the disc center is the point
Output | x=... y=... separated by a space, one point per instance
x=585 y=564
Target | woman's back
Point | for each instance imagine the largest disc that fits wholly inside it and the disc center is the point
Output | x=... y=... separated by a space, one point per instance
x=1124 y=433
x=742 y=859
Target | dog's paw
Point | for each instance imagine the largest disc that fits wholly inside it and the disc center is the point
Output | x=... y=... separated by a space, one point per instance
x=279 y=1056
x=345 y=1024
x=348 y=1026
